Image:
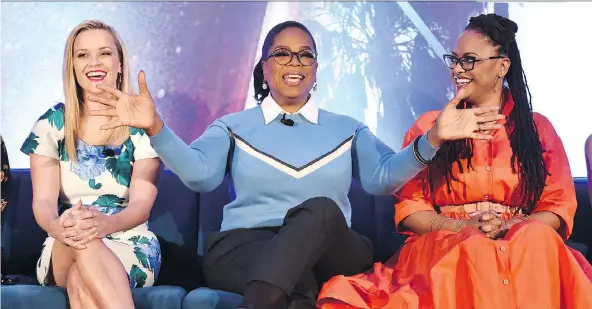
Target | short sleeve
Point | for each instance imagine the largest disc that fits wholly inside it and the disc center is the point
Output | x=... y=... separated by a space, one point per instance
x=47 y=136
x=142 y=147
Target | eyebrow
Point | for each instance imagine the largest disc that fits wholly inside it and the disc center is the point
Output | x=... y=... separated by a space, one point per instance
x=286 y=47
x=466 y=54
x=84 y=49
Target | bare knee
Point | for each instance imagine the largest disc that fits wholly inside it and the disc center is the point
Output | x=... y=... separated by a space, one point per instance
x=74 y=282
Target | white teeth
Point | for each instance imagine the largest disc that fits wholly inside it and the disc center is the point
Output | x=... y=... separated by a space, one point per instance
x=293 y=76
x=96 y=74
x=462 y=80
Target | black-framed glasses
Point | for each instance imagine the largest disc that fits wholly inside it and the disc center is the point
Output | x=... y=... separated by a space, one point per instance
x=284 y=56
x=466 y=62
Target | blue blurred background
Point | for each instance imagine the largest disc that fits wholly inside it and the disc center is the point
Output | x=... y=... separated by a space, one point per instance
x=380 y=62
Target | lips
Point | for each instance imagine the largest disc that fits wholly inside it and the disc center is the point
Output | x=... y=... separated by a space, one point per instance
x=293 y=78
x=96 y=75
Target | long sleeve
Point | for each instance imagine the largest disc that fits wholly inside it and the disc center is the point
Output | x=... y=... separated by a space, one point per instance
x=379 y=169
x=559 y=195
x=201 y=166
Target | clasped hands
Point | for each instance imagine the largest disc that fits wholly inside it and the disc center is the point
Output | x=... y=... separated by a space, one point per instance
x=78 y=226
x=490 y=223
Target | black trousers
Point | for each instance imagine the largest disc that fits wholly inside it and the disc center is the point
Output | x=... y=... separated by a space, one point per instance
x=313 y=245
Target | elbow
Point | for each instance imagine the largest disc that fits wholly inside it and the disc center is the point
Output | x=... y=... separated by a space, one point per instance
x=205 y=183
x=376 y=188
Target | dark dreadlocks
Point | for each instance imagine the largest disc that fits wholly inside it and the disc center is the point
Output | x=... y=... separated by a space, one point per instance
x=527 y=151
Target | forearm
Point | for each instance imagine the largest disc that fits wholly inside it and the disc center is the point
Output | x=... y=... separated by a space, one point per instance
x=133 y=215
x=200 y=166
x=382 y=171
x=45 y=212
x=424 y=222
x=548 y=218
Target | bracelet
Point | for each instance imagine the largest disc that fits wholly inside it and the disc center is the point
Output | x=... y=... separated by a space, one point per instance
x=442 y=223
x=526 y=217
x=432 y=223
x=416 y=153
x=456 y=226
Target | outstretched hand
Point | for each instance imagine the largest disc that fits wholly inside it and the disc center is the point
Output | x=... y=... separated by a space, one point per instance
x=455 y=124
x=136 y=111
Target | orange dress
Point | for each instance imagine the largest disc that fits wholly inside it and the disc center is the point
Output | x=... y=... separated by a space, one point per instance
x=529 y=268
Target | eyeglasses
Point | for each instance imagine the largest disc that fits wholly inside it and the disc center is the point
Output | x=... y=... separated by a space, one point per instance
x=283 y=56
x=466 y=62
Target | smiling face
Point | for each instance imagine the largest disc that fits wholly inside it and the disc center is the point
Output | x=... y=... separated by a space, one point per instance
x=486 y=76
x=290 y=81
x=95 y=60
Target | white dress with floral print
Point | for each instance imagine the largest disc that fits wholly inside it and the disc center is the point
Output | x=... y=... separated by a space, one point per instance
x=101 y=179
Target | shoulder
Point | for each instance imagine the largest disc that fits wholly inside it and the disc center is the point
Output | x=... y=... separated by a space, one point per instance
x=343 y=121
x=544 y=127
x=541 y=121
x=420 y=126
x=54 y=117
x=244 y=117
x=589 y=147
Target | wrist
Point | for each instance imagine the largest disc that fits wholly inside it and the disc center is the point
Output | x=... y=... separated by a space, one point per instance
x=54 y=229
x=155 y=127
x=110 y=223
x=433 y=138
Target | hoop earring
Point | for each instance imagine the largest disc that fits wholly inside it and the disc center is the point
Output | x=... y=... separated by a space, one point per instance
x=264 y=85
x=495 y=84
x=314 y=87
x=119 y=81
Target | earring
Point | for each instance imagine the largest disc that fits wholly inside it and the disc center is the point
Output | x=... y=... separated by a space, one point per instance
x=495 y=84
x=264 y=86
x=119 y=81
x=314 y=87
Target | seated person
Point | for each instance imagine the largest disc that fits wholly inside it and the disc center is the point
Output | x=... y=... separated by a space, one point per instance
x=93 y=190
x=487 y=219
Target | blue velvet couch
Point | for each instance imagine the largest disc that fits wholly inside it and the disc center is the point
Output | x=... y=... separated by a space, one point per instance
x=182 y=220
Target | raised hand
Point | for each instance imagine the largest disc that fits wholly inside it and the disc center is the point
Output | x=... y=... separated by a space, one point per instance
x=454 y=124
x=136 y=111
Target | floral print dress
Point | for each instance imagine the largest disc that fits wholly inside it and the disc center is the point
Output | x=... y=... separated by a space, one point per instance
x=101 y=178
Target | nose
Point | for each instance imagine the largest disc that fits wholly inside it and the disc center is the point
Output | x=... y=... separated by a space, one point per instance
x=294 y=61
x=94 y=59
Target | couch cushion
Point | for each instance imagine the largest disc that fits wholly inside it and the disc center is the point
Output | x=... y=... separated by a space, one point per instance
x=205 y=298
x=159 y=297
x=211 y=205
x=33 y=297
x=174 y=220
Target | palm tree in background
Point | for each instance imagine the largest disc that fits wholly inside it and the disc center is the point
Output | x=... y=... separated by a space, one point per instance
x=373 y=59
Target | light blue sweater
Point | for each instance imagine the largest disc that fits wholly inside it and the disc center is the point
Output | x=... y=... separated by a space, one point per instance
x=275 y=167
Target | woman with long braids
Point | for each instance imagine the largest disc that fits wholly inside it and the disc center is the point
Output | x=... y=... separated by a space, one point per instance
x=487 y=219
x=291 y=165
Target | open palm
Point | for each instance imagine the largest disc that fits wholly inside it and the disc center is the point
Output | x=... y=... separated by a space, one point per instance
x=136 y=111
x=454 y=124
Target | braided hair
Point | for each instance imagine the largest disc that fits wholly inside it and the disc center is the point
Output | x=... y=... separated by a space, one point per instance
x=258 y=77
x=527 y=151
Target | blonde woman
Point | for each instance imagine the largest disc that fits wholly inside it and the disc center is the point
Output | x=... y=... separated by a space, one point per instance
x=104 y=182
